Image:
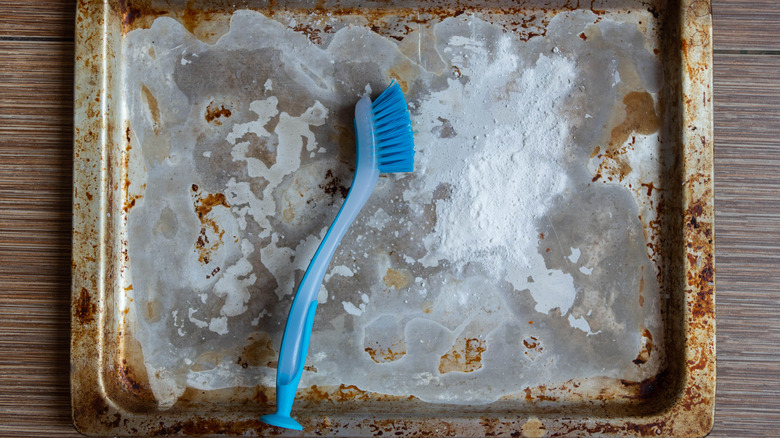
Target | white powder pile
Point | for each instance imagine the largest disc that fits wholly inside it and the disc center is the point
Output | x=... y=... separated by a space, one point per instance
x=504 y=165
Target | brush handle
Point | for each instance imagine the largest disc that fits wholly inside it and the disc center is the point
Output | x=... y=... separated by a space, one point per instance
x=297 y=332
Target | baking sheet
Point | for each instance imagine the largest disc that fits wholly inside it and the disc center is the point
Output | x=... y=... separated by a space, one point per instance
x=529 y=268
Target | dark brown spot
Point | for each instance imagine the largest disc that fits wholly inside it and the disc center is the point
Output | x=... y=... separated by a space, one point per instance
x=312 y=33
x=205 y=205
x=85 y=309
x=333 y=185
x=650 y=188
x=131 y=14
x=646 y=350
x=213 y=113
x=385 y=355
x=456 y=71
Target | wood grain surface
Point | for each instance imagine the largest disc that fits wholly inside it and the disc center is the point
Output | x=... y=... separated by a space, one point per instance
x=36 y=52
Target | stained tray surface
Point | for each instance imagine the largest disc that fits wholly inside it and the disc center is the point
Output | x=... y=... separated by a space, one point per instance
x=538 y=273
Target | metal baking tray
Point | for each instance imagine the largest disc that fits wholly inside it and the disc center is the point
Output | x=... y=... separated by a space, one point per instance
x=547 y=270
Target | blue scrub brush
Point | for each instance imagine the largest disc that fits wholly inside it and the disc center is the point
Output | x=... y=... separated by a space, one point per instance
x=384 y=145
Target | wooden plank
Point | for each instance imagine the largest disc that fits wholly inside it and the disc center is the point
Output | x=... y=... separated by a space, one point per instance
x=36 y=89
x=746 y=25
x=46 y=19
x=747 y=238
x=35 y=214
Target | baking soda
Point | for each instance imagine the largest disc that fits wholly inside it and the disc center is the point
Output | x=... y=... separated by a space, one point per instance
x=504 y=165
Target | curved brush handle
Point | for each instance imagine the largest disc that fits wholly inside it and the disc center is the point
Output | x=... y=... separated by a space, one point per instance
x=297 y=332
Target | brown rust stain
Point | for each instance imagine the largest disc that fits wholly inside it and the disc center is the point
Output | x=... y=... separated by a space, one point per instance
x=648 y=388
x=129 y=385
x=456 y=72
x=465 y=356
x=386 y=355
x=130 y=15
x=350 y=392
x=311 y=32
x=650 y=187
x=344 y=393
x=397 y=278
x=333 y=186
x=130 y=200
x=490 y=426
x=288 y=214
x=135 y=383
x=95 y=405
x=404 y=72
x=532 y=343
x=137 y=14
x=154 y=108
x=203 y=206
x=213 y=113
x=646 y=348
x=206 y=24
x=199 y=425
x=703 y=305
x=85 y=310
x=258 y=352
x=315 y=393
x=641 y=118
x=153 y=310
x=699 y=364
x=701 y=271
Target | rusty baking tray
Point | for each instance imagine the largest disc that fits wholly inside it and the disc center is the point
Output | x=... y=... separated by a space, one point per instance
x=547 y=270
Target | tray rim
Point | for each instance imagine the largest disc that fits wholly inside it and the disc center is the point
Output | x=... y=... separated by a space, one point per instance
x=690 y=415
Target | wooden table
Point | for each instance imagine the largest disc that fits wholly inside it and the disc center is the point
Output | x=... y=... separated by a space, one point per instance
x=36 y=51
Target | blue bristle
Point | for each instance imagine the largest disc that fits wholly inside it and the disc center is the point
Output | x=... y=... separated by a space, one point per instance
x=393 y=131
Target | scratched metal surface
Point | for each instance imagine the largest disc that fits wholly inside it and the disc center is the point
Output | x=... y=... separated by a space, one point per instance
x=217 y=148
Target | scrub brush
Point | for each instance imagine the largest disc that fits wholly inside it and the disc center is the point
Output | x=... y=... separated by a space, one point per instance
x=383 y=132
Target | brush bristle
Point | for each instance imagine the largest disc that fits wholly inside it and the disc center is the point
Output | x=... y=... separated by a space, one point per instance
x=393 y=131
